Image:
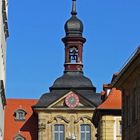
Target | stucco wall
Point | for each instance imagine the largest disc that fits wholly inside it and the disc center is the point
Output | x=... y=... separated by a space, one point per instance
x=2 y=50
x=3 y=40
x=109 y=127
x=2 y=65
x=1 y=72
x=1 y=118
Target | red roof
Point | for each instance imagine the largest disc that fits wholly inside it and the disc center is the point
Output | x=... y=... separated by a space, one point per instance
x=28 y=128
x=113 y=101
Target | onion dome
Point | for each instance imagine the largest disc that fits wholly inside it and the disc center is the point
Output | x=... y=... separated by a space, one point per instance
x=74 y=26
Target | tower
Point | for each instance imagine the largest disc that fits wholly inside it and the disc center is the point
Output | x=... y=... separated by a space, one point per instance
x=73 y=42
x=73 y=77
x=66 y=111
x=3 y=37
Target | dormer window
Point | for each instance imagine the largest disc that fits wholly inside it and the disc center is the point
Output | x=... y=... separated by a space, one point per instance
x=20 y=115
x=19 y=137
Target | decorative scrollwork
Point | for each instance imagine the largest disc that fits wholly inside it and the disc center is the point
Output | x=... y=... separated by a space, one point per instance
x=63 y=118
x=59 y=117
x=42 y=126
x=82 y=118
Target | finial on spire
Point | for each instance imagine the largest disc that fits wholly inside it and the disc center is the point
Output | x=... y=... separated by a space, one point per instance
x=73 y=12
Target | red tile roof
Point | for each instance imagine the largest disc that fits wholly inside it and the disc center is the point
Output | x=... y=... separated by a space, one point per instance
x=27 y=128
x=113 y=101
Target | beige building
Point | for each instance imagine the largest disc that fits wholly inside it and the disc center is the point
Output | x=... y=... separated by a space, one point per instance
x=65 y=113
x=3 y=37
x=59 y=120
x=107 y=116
x=128 y=80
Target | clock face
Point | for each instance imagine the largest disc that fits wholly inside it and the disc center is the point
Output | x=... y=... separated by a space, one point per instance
x=72 y=100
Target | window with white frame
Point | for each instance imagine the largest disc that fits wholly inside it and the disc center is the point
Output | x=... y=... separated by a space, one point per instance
x=20 y=115
x=120 y=128
x=19 y=137
x=59 y=132
x=85 y=132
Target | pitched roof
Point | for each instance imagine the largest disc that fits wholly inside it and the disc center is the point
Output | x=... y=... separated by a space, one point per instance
x=27 y=128
x=49 y=98
x=113 y=100
x=111 y=105
x=127 y=66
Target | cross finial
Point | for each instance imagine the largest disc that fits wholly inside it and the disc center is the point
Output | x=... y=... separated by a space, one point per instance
x=73 y=12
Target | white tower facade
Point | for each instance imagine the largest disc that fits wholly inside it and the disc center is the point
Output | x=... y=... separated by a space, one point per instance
x=3 y=37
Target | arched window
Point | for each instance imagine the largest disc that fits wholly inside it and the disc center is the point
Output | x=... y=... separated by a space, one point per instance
x=20 y=115
x=73 y=55
x=85 y=131
x=19 y=137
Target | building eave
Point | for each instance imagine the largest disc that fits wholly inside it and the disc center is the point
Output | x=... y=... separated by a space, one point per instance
x=68 y=110
x=130 y=64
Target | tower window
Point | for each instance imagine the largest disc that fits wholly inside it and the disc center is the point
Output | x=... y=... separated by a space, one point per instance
x=85 y=131
x=73 y=54
x=58 y=132
x=20 y=115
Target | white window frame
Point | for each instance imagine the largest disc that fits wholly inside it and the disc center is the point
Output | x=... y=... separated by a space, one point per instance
x=19 y=137
x=20 y=115
x=85 y=132
x=120 y=128
x=59 y=131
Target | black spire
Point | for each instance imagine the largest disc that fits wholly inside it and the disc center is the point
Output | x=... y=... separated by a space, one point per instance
x=73 y=12
x=74 y=26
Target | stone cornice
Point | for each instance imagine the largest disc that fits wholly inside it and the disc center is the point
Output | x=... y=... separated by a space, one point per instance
x=64 y=109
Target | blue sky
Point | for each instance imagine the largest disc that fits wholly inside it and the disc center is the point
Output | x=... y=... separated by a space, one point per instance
x=35 y=52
